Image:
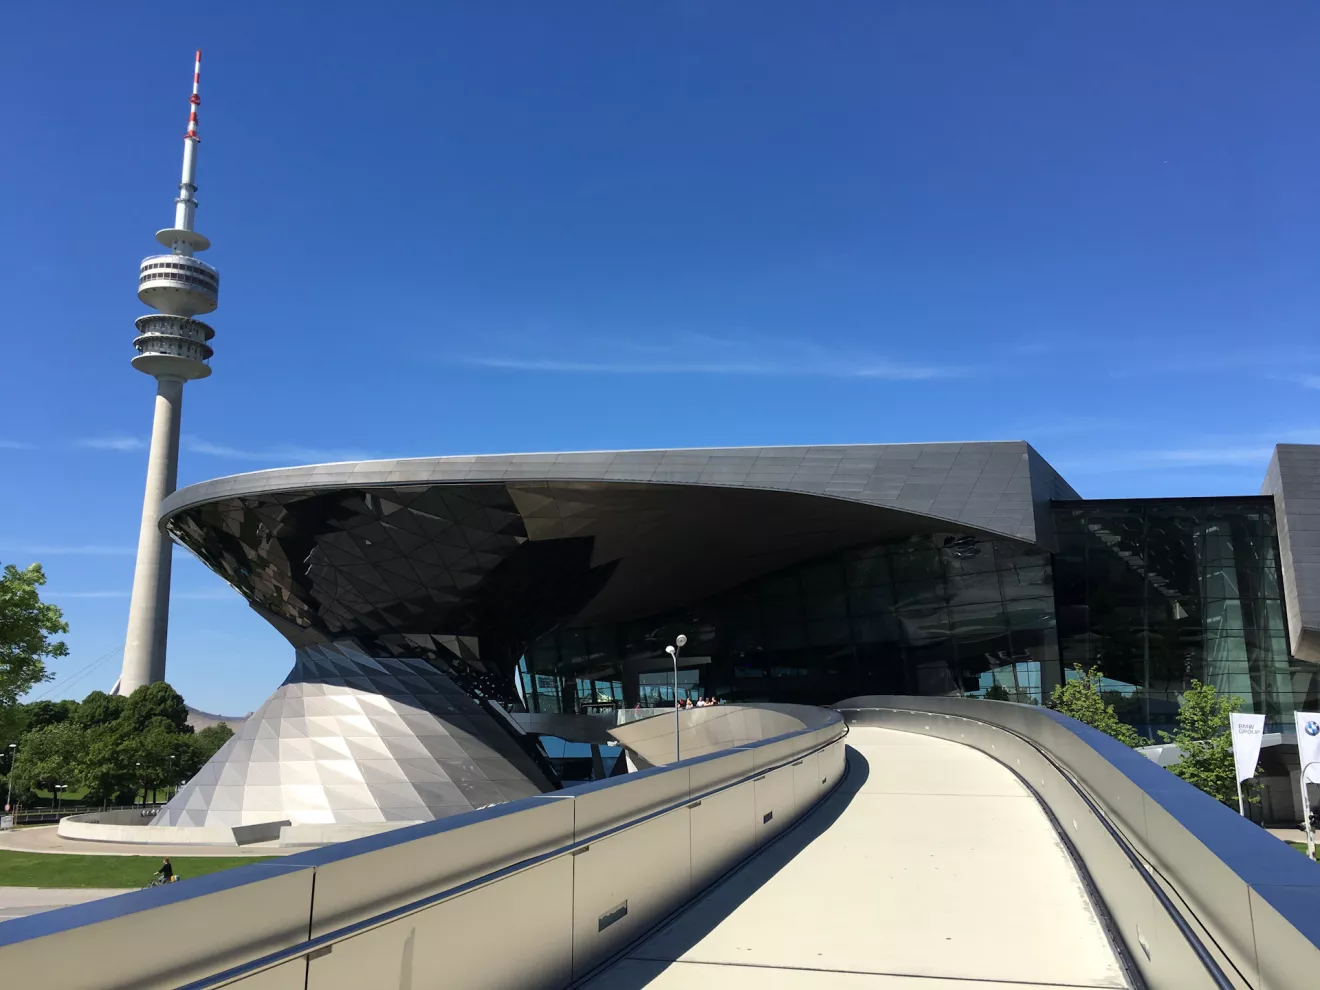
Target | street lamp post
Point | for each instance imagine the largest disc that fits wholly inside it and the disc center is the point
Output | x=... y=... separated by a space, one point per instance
x=58 y=788
x=140 y=784
x=680 y=641
x=10 y=796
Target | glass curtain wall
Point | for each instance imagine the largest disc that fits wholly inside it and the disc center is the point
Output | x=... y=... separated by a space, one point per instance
x=1158 y=592
x=945 y=614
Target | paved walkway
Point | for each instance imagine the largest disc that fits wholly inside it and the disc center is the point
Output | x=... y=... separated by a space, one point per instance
x=1294 y=834
x=46 y=839
x=18 y=902
x=931 y=868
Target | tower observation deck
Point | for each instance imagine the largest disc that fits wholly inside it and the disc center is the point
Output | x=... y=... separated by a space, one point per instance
x=173 y=346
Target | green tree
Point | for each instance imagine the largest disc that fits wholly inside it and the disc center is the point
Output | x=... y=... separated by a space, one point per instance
x=1080 y=698
x=99 y=709
x=48 y=756
x=26 y=627
x=105 y=770
x=207 y=743
x=153 y=701
x=113 y=747
x=997 y=692
x=1206 y=742
x=39 y=714
x=135 y=744
x=158 y=755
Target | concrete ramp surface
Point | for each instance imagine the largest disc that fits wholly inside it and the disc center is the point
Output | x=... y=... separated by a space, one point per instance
x=931 y=867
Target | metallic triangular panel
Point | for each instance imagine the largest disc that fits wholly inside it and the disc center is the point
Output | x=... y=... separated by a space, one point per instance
x=348 y=739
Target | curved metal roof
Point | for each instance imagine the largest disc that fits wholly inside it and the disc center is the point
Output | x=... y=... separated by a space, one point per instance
x=1001 y=488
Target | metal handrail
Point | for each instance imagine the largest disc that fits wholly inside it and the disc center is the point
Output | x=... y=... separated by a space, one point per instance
x=89 y=809
x=1134 y=857
x=322 y=944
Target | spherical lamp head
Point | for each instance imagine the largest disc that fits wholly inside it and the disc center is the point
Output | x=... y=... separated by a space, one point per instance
x=681 y=640
x=670 y=650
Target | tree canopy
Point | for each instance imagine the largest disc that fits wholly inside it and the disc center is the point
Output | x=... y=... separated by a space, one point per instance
x=1082 y=699
x=112 y=747
x=26 y=627
x=1206 y=742
x=107 y=746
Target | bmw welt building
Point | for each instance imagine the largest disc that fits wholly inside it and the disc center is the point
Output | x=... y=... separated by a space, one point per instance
x=425 y=598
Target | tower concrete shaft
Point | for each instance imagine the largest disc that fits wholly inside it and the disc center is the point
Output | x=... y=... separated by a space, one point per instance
x=149 y=608
x=173 y=348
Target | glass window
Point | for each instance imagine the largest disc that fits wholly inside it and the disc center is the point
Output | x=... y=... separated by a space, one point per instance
x=924 y=626
x=881 y=628
x=1158 y=592
x=919 y=569
x=827 y=632
x=870 y=599
x=863 y=571
x=784 y=636
x=969 y=622
x=966 y=589
x=826 y=604
x=1030 y=613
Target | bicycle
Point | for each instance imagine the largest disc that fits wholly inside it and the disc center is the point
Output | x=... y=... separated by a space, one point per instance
x=159 y=882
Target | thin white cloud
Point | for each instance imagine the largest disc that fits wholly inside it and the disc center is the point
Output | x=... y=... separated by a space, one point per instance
x=1248 y=451
x=1190 y=361
x=1146 y=461
x=121 y=442
x=279 y=455
x=197 y=445
x=1306 y=381
x=1207 y=456
x=16 y=445
x=81 y=549
x=879 y=370
x=696 y=352
x=212 y=595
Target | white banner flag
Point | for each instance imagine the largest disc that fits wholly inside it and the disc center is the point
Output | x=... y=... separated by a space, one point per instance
x=1247 y=731
x=1308 y=743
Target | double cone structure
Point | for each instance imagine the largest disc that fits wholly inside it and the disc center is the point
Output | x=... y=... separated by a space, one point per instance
x=354 y=739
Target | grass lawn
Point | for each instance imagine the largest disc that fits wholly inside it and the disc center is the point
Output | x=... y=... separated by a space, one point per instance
x=1300 y=847
x=18 y=869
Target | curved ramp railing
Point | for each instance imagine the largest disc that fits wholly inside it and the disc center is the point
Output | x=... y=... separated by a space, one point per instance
x=653 y=741
x=531 y=894
x=1198 y=895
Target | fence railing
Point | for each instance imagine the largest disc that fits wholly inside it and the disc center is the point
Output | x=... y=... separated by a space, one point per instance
x=40 y=816
x=533 y=894
x=1198 y=896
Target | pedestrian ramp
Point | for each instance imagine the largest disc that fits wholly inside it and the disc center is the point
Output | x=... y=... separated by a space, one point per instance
x=931 y=866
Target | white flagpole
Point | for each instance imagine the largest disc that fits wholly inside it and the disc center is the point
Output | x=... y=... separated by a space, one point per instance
x=1241 y=810
x=1306 y=813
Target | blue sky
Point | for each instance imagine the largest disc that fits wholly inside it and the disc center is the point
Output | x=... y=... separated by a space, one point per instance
x=470 y=228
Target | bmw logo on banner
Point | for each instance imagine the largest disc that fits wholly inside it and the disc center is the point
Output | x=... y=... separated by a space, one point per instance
x=1308 y=744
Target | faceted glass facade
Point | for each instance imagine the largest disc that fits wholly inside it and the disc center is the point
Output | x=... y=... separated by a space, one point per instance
x=936 y=614
x=563 y=595
x=803 y=574
x=1158 y=592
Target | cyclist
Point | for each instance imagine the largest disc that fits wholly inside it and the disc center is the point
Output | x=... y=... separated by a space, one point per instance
x=166 y=871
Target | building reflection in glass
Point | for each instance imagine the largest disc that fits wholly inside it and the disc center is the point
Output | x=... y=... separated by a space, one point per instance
x=940 y=614
x=1158 y=592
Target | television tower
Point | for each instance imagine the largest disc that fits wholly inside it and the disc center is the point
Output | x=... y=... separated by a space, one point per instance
x=172 y=347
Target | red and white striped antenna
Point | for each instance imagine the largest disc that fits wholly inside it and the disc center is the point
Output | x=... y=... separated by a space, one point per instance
x=181 y=238
x=195 y=99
